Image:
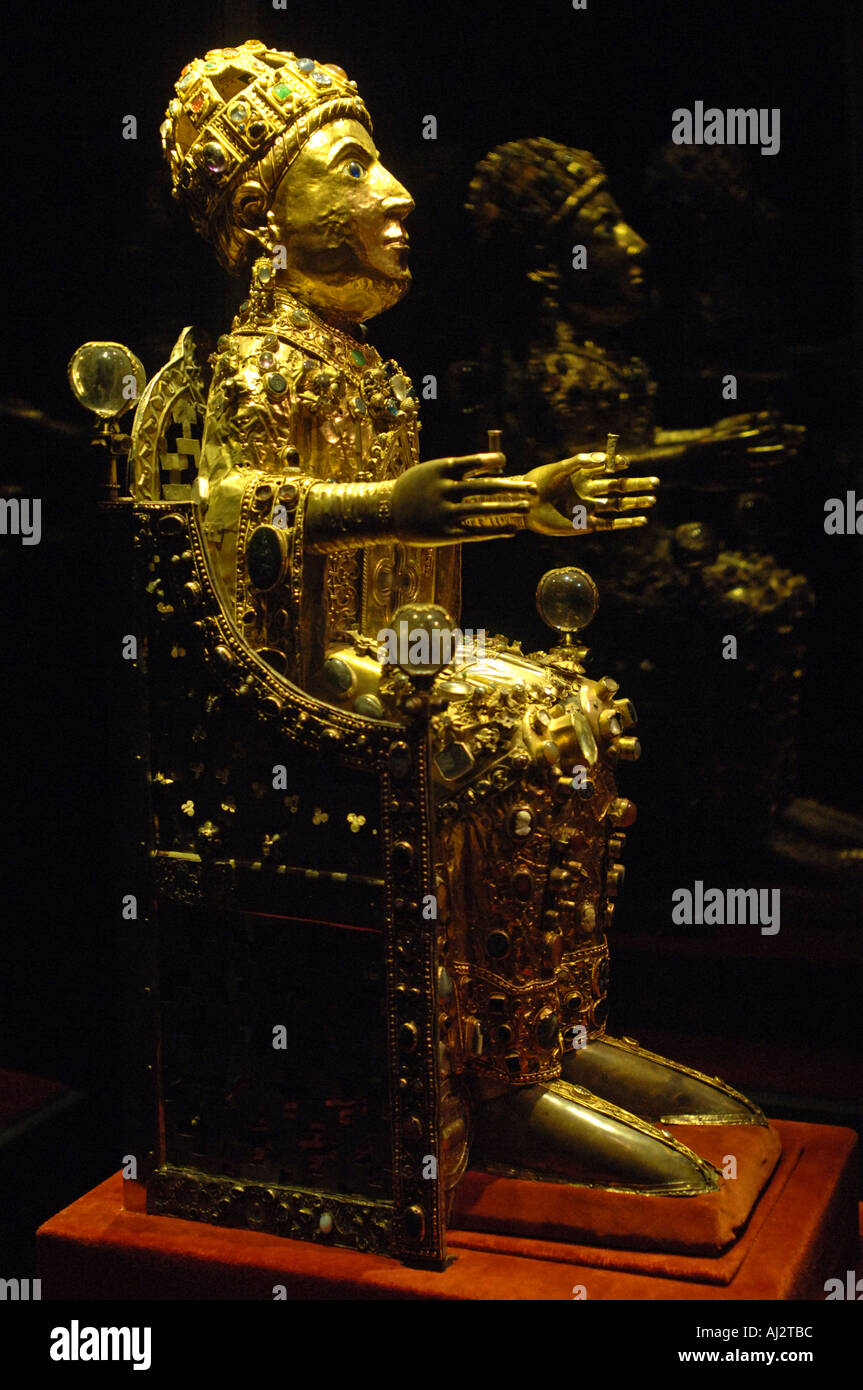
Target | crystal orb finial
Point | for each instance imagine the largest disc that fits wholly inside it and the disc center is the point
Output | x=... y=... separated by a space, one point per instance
x=106 y=378
x=566 y=599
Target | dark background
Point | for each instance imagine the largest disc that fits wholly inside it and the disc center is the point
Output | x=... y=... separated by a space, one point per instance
x=97 y=249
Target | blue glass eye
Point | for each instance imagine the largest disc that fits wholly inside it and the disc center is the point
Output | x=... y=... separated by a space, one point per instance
x=355 y=170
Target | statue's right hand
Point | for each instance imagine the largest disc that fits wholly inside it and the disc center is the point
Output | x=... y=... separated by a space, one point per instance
x=434 y=503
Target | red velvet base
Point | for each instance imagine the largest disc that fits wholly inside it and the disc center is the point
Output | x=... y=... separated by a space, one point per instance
x=700 y=1225
x=803 y=1232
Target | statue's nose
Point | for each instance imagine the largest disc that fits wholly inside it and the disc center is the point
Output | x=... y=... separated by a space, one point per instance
x=397 y=200
x=635 y=245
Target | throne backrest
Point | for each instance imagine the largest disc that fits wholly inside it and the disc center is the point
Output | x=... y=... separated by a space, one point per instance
x=288 y=856
x=169 y=424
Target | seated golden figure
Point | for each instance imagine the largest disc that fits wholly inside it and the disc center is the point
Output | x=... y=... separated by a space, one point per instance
x=325 y=531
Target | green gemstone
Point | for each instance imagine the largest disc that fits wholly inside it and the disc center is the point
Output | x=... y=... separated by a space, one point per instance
x=358 y=357
x=282 y=92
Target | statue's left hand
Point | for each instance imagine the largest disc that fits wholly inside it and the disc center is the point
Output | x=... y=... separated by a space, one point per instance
x=583 y=490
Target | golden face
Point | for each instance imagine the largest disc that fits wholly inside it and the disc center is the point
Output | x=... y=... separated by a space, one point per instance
x=614 y=281
x=340 y=216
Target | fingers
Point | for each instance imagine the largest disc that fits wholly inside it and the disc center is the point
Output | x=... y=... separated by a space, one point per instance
x=618 y=464
x=631 y=504
x=778 y=448
x=471 y=463
x=551 y=473
x=472 y=533
x=595 y=460
x=489 y=487
x=595 y=489
x=601 y=487
x=623 y=504
x=597 y=463
x=635 y=485
x=462 y=510
x=619 y=523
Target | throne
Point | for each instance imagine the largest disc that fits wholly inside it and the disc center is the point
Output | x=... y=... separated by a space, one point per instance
x=297 y=1088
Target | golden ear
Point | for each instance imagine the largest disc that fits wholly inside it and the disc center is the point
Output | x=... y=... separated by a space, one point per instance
x=249 y=205
x=249 y=214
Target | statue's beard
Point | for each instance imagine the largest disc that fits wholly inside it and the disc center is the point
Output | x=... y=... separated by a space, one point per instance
x=353 y=299
x=339 y=282
x=607 y=313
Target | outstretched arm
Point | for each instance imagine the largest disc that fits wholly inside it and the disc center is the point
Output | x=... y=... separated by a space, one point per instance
x=440 y=502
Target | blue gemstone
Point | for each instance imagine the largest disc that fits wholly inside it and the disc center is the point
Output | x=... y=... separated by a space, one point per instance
x=359 y=405
x=392 y=406
x=305 y=64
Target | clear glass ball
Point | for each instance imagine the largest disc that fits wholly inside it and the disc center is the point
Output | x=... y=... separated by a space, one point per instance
x=106 y=378
x=567 y=599
x=425 y=636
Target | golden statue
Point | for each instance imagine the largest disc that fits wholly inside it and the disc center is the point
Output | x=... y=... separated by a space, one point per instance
x=299 y=548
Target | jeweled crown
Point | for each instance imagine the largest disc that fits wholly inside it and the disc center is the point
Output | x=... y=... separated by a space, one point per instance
x=234 y=106
x=531 y=185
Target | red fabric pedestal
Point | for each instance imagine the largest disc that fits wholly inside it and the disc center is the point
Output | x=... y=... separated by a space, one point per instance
x=803 y=1232
x=707 y=1224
